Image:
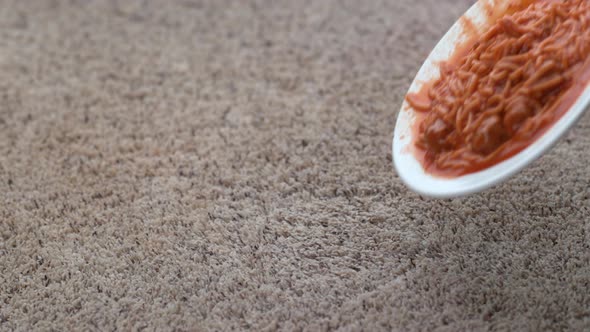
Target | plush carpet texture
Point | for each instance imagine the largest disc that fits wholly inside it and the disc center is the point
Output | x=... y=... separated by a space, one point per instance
x=216 y=165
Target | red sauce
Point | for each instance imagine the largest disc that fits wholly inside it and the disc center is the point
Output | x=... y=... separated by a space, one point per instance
x=448 y=145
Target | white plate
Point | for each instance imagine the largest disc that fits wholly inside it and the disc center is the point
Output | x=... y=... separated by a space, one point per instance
x=410 y=169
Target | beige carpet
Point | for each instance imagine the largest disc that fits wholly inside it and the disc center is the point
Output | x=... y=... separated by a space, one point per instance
x=225 y=165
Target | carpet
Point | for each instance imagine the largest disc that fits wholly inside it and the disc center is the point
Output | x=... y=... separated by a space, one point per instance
x=221 y=165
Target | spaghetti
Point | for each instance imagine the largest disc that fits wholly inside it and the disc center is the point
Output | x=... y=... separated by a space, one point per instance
x=513 y=82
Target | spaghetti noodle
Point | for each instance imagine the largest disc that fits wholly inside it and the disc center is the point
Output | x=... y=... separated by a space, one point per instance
x=498 y=97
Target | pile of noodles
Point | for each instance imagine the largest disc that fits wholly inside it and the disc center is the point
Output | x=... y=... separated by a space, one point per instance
x=506 y=86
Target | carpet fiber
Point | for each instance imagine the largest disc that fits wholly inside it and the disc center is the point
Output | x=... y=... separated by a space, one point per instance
x=225 y=165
